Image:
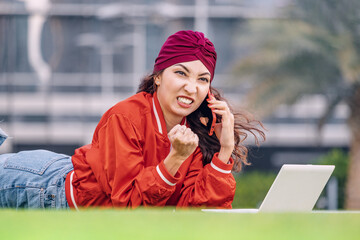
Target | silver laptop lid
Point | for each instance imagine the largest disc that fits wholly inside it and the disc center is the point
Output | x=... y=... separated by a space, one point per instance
x=296 y=188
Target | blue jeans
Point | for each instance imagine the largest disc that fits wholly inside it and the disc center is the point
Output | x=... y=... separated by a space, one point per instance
x=34 y=179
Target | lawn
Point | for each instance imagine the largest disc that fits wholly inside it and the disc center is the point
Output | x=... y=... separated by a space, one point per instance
x=170 y=224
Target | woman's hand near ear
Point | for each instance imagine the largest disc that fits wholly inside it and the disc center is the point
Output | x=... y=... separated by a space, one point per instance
x=224 y=130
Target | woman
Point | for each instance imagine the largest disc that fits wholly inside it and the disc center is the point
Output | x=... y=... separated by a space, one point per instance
x=155 y=148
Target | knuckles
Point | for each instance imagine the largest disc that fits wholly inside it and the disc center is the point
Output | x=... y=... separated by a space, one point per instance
x=183 y=136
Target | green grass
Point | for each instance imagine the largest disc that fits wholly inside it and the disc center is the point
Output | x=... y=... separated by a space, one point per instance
x=170 y=224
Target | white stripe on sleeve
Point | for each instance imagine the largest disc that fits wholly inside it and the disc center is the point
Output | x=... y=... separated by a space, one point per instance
x=163 y=177
x=219 y=169
x=72 y=191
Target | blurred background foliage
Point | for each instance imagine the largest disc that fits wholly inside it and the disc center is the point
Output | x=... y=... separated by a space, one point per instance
x=340 y=159
x=313 y=49
x=252 y=186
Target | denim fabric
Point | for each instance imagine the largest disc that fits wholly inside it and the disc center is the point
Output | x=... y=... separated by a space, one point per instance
x=3 y=136
x=34 y=179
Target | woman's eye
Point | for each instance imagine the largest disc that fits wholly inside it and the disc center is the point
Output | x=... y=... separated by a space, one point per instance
x=181 y=73
x=204 y=79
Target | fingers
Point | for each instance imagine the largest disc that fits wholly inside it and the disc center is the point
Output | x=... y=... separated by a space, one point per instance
x=224 y=130
x=178 y=131
x=218 y=105
x=221 y=108
x=195 y=139
x=183 y=134
x=183 y=141
x=177 y=128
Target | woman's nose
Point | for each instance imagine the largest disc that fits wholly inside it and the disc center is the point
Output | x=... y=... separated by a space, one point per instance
x=190 y=87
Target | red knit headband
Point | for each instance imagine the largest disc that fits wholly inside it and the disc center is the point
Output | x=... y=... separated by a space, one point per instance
x=186 y=46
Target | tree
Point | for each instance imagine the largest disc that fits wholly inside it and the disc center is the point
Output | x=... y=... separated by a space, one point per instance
x=314 y=48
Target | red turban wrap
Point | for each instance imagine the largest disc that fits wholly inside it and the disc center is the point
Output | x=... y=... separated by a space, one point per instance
x=186 y=46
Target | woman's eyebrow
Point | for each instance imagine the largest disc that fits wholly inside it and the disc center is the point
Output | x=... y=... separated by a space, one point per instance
x=205 y=73
x=186 y=69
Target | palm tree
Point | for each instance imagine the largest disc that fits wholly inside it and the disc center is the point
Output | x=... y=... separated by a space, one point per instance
x=314 y=48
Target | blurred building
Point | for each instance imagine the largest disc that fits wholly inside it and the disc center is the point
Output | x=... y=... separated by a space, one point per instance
x=64 y=62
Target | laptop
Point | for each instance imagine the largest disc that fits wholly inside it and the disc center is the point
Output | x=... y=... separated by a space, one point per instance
x=296 y=189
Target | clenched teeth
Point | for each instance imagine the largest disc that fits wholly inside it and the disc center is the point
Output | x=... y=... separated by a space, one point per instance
x=184 y=100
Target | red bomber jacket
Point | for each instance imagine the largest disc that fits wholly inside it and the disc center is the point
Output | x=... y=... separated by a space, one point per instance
x=123 y=166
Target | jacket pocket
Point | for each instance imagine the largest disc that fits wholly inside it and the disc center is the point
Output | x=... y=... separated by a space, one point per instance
x=36 y=161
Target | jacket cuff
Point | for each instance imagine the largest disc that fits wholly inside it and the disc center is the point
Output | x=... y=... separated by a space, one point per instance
x=220 y=166
x=165 y=176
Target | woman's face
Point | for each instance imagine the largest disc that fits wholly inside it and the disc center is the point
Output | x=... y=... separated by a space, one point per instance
x=182 y=88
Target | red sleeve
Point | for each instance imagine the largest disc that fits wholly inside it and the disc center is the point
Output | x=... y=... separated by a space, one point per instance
x=117 y=161
x=211 y=185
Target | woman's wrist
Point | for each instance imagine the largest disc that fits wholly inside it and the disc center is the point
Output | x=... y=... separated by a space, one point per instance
x=173 y=162
x=225 y=154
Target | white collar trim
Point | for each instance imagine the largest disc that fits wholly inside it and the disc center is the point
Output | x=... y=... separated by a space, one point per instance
x=157 y=117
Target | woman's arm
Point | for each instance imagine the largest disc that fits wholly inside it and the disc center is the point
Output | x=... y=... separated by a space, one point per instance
x=118 y=164
x=211 y=185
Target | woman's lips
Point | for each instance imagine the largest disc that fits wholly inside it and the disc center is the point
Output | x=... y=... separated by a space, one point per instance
x=185 y=101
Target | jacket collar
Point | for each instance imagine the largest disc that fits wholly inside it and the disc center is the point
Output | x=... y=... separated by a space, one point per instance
x=159 y=117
